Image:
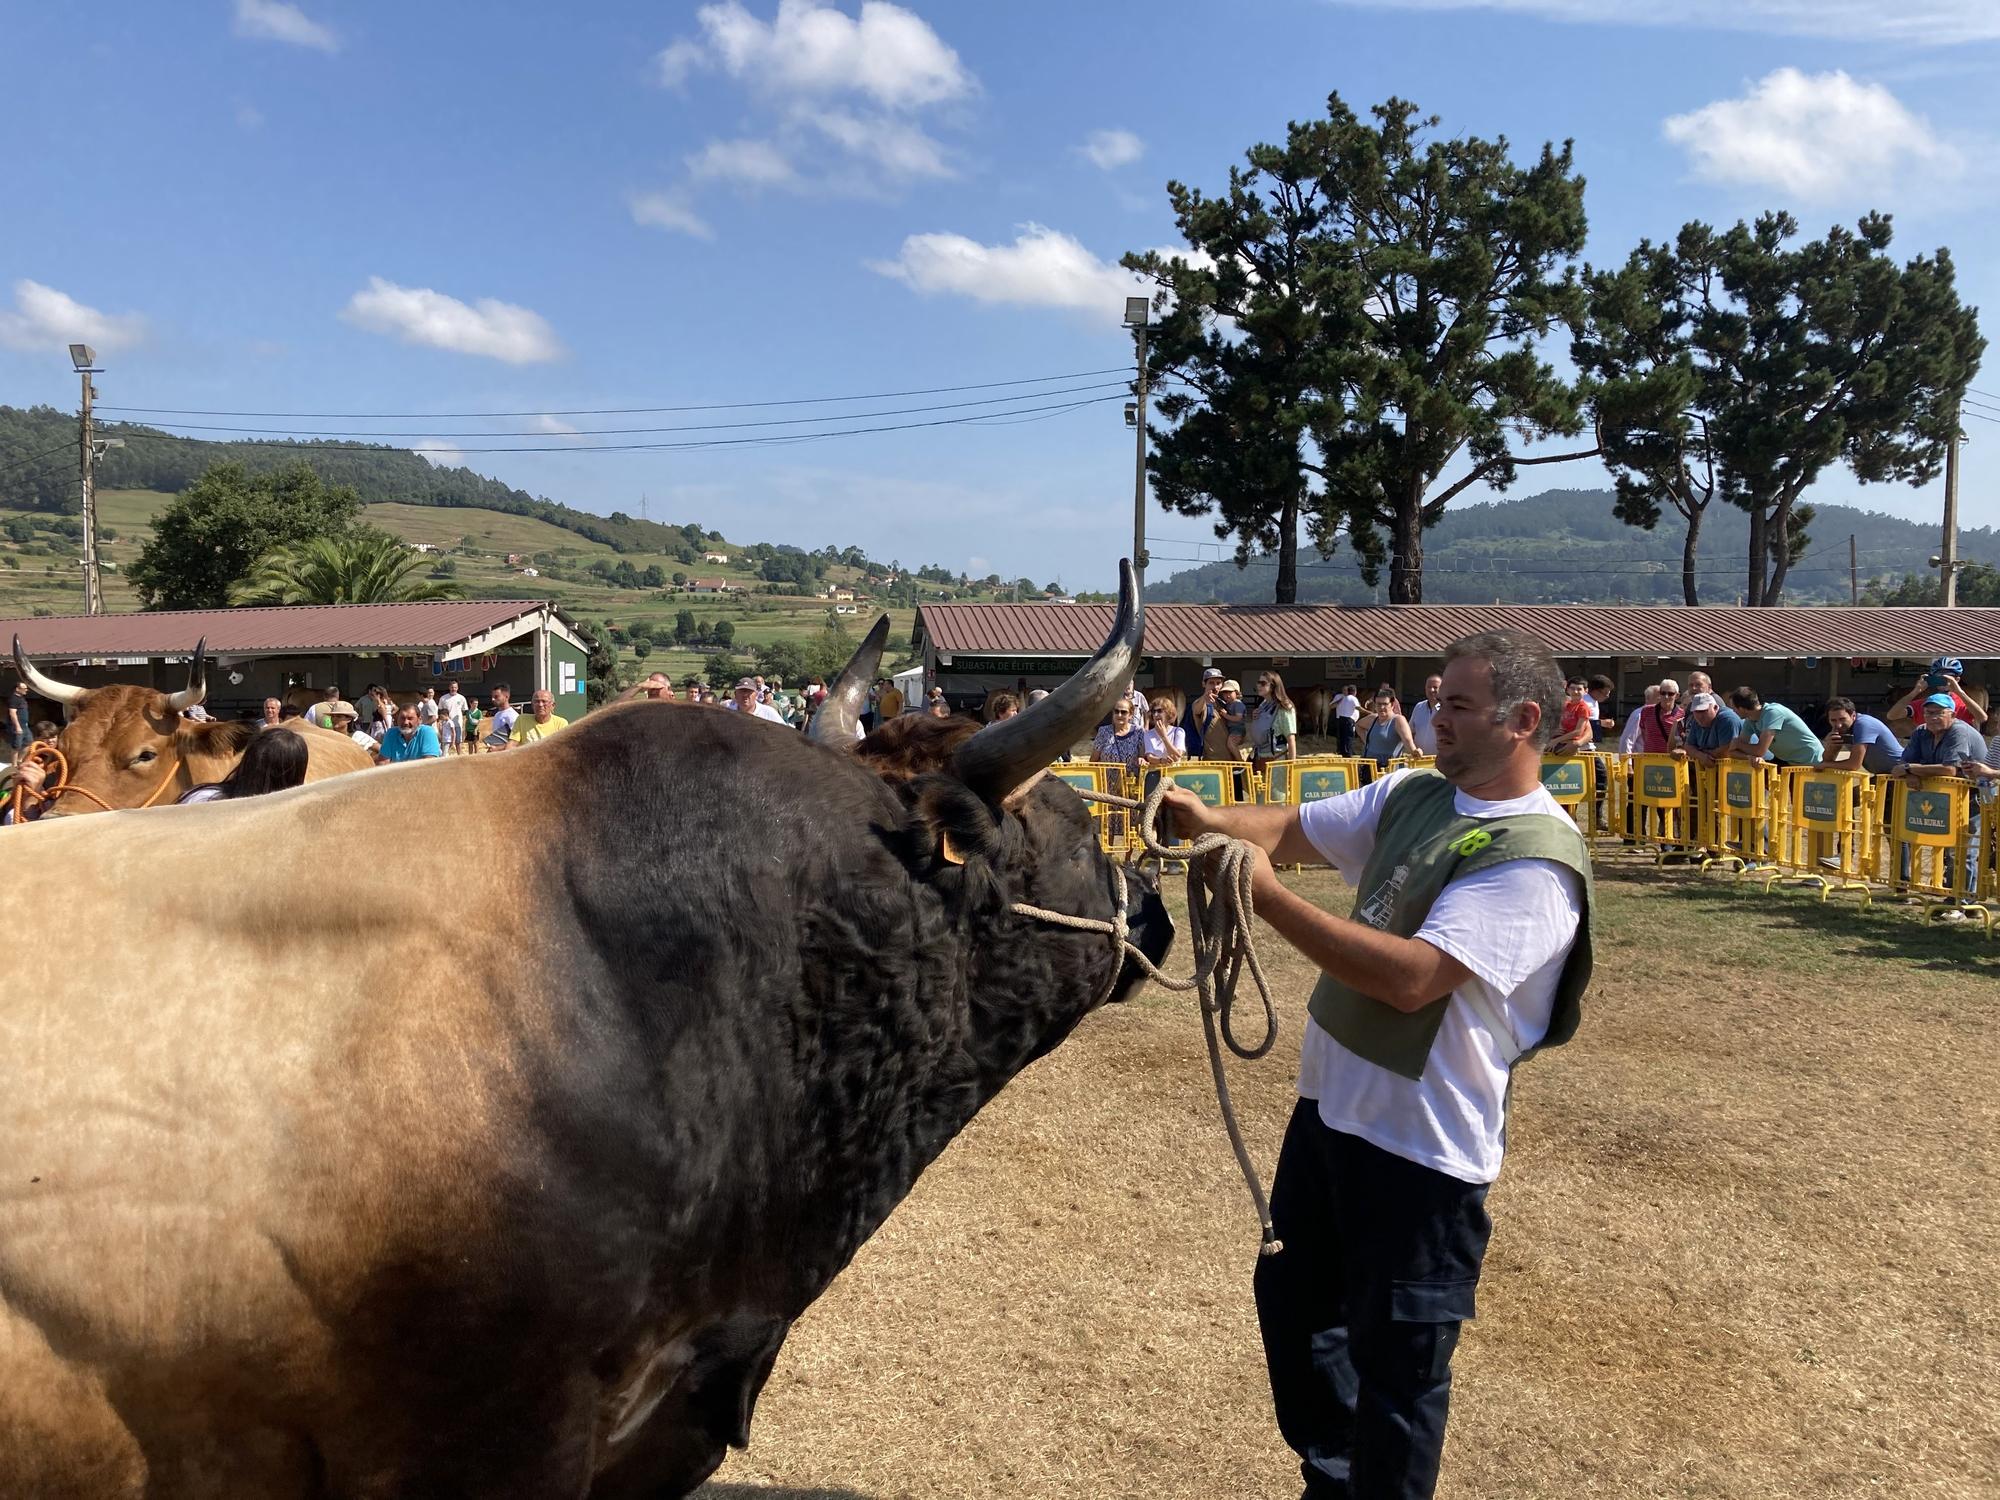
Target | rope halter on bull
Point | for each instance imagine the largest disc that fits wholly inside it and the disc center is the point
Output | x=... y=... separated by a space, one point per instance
x=1219 y=873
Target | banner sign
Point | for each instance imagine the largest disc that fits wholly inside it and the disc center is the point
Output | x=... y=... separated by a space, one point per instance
x=1210 y=786
x=1929 y=817
x=1739 y=790
x=1819 y=800
x=1316 y=785
x=1660 y=783
x=1565 y=780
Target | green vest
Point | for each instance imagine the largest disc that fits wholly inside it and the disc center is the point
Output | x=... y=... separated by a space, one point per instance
x=1421 y=844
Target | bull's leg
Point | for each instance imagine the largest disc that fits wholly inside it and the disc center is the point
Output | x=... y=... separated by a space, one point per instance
x=701 y=1418
x=60 y=1436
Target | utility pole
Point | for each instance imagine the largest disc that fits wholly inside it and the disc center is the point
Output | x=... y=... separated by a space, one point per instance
x=85 y=359
x=1853 y=572
x=1948 y=554
x=1137 y=310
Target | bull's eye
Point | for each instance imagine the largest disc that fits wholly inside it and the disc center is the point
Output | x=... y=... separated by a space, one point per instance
x=145 y=757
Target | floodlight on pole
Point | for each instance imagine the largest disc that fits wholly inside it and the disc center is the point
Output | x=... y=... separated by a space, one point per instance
x=89 y=451
x=1138 y=311
x=82 y=356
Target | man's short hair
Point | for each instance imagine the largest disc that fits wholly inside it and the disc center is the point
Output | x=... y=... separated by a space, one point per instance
x=1845 y=705
x=1523 y=672
x=1602 y=684
x=1745 y=698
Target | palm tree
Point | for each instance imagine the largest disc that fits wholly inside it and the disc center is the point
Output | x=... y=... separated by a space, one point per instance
x=361 y=567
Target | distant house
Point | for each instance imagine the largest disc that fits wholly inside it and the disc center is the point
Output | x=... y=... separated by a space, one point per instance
x=423 y=546
x=715 y=557
x=846 y=609
x=838 y=592
x=515 y=559
x=714 y=586
x=531 y=572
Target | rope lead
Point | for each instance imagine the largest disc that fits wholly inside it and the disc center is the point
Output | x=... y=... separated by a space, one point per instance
x=1220 y=912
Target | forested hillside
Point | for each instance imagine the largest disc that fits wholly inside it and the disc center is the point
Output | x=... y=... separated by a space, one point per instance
x=1565 y=546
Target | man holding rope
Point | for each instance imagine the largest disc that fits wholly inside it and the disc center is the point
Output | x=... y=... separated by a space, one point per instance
x=1469 y=947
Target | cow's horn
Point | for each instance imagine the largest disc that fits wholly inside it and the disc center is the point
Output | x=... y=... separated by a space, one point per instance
x=840 y=710
x=197 y=688
x=46 y=687
x=1005 y=756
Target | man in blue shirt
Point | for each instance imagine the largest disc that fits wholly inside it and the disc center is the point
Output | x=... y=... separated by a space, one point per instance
x=1858 y=741
x=1945 y=746
x=407 y=739
x=1710 y=729
x=1771 y=729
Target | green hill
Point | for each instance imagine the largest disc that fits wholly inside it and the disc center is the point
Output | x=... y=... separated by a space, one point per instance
x=1565 y=546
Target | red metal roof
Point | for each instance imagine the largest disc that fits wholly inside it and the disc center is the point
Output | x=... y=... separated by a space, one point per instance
x=302 y=628
x=1426 y=629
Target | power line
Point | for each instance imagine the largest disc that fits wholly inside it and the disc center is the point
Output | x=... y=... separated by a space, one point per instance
x=846 y=416
x=22 y=463
x=623 y=411
x=774 y=439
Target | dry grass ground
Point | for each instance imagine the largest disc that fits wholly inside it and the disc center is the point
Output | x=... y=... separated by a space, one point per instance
x=1744 y=1246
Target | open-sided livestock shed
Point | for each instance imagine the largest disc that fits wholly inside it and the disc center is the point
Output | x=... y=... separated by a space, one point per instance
x=264 y=650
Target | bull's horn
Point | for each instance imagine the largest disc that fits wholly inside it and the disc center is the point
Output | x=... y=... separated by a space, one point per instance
x=1005 y=756
x=197 y=688
x=840 y=710
x=46 y=687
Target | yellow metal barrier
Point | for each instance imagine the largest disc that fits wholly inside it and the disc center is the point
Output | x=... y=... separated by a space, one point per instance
x=1826 y=830
x=1661 y=805
x=1744 y=809
x=1930 y=831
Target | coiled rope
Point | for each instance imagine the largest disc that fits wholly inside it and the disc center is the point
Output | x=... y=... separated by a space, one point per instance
x=1219 y=875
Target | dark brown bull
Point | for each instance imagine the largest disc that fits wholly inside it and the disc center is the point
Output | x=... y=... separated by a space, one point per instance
x=329 y=1179
x=131 y=746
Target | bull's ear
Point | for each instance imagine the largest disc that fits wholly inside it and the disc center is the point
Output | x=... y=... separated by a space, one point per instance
x=951 y=823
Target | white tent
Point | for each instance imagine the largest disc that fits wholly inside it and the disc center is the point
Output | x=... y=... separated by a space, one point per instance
x=910 y=683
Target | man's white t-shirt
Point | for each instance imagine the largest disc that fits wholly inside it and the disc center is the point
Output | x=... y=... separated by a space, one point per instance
x=427 y=710
x=1347 y=706
x=1512 y=925
x=1422 y=729
x=1630 y=740
x=761 y=711
x=452 y=706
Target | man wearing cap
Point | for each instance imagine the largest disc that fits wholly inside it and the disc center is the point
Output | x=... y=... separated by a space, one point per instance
x=1711 y=727
x=1944 y=746
x=1942 y=677
x=744 y=701
x=1202 y=712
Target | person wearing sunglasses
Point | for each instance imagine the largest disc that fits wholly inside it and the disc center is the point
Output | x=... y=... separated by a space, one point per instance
x=1660 y=721
x=1120 y=742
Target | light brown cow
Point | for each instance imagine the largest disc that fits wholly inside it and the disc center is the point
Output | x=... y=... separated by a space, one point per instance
x=280 y=1224
x=131 y=746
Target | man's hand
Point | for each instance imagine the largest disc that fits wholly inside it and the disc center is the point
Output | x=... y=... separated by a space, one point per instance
x=1192 y=816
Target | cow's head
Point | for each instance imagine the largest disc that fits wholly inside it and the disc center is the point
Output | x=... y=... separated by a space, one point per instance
x=130 y=746
x=993 y=830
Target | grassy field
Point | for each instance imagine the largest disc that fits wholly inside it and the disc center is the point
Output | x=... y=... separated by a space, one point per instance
x=1742 y=1246
x=54 y=583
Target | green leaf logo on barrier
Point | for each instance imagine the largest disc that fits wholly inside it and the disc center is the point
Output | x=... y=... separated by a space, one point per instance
x=1563 y=778
x=1315 y=786
x=1819 y=801
x=1206 y=785
x=1660 y=782
x=1928 y=813
x=1736 y=789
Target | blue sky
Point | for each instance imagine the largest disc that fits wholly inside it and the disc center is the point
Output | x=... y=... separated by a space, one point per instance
x=339 y=206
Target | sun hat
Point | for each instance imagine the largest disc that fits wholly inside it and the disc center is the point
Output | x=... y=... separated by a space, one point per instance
x=1941 y=700
x=1704 y=700
x=338 y=707
x=1231 y=685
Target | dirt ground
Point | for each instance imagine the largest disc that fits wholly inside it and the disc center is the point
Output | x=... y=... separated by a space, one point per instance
x=1744 y=1246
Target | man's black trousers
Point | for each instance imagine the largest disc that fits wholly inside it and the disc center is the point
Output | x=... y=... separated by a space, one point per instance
x=1361 y=1309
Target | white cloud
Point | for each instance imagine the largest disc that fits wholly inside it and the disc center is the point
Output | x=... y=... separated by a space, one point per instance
x=44 y=319
x=249 y=117
x=418 y=315
x=885 y=52
x=1817 y=135
x=748 y=163
x=439 y=454
x=552 y=426
x=665 y=210
x=1112 y=149
x=1937 y=23
x=277 y=21
x=901 y=150
x=1042 y=268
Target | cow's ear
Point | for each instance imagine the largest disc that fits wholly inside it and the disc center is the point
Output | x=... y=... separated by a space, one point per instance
x=957 y=826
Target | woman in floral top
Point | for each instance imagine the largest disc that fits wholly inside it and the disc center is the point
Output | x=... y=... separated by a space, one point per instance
x=1121 y=741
